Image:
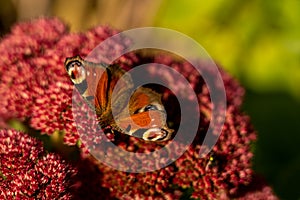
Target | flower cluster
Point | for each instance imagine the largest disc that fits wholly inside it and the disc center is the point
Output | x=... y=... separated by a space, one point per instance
x=257 y=189
x=27 y=172
x=36 y=90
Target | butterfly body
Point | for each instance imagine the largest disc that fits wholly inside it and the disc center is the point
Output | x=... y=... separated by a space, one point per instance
x=138 y=113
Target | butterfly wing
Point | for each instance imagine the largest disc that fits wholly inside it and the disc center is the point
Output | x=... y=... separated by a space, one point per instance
x=86 y=76
x=148 y=125
x=97 y=83
x=147 y=118
x=119 y=89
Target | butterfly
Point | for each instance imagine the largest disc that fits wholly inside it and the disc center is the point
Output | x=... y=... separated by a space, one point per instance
x=139 y=113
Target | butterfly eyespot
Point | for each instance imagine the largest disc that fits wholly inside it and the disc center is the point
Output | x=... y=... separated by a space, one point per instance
x=76 y=72
x=73 y=64
x=150 y=107
x=146 y=108
x=155 y=134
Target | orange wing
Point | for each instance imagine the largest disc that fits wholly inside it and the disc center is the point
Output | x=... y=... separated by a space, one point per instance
x=149 y=125
x=147 y=118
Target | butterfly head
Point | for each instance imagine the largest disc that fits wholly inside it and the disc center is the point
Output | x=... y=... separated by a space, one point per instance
x=75 y=69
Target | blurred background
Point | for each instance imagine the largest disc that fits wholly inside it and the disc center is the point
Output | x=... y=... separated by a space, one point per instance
x=257 y=42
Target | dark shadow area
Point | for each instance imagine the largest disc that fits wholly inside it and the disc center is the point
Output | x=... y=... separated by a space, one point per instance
x=8 y=16
x=277 y=155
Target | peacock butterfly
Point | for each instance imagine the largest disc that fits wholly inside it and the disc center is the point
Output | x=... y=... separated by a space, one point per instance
x=139 y=113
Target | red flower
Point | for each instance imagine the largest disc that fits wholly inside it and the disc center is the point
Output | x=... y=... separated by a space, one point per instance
x=27 y=172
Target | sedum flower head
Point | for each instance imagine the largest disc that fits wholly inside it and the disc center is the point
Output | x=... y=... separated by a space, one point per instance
x=27 y=172
x=222 y=172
